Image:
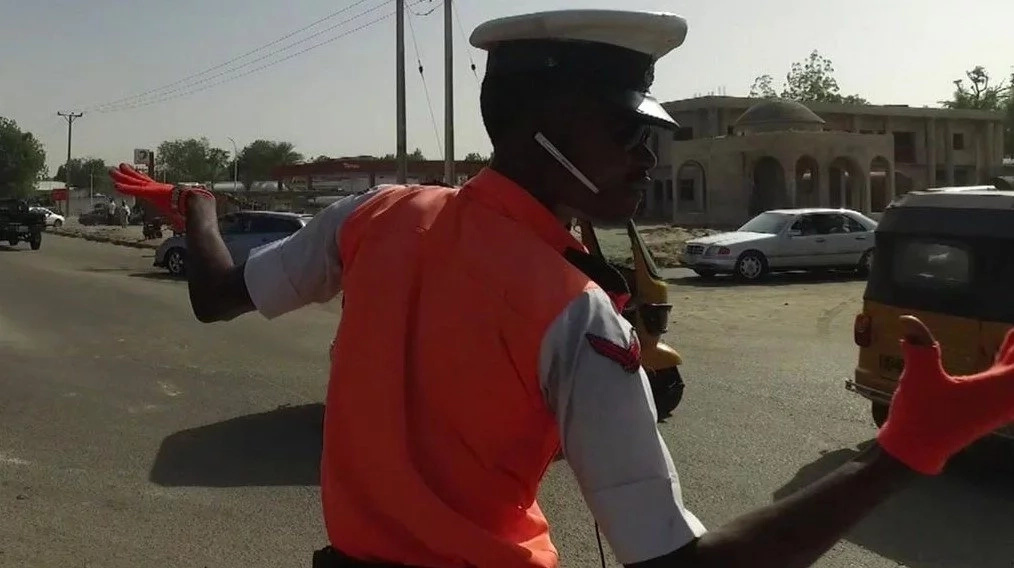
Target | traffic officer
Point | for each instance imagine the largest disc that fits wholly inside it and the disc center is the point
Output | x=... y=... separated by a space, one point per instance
x=478 y=336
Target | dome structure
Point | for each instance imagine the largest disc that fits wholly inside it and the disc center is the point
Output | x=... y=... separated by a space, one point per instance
x=778 y=115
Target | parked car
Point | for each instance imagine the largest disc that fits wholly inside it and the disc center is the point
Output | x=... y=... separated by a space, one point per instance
x=242 y=232
x=99 y=215
x=52 y=219
x=786 y=239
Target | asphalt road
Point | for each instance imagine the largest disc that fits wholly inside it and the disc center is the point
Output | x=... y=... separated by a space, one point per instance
x=131 y=435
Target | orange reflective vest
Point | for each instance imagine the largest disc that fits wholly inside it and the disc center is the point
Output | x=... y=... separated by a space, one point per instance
x=436 y=433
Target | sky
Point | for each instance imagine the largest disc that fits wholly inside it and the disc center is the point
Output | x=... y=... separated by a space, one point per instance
x=338 y=99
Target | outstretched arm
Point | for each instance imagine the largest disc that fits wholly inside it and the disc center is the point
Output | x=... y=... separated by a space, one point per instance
x=607 y=426
x=796 y=531
x=275 y=279
x=218 y=288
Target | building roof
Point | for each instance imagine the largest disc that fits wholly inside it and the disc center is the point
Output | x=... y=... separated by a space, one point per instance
x=745 y=103
x=425 y=168
x=46 y=185
x=775 y=111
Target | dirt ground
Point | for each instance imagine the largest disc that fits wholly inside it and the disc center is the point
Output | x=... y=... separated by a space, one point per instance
x=664 y=241
x=799 y=305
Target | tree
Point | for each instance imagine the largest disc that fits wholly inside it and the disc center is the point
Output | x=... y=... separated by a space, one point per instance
x=476 y=157
x=22 y=160
x=90 y=173
x=763 y=89
x=321 y=158
x=981 y=95
x=413 y=156
x=809 y=81
x=191 y=160
x=258 y=159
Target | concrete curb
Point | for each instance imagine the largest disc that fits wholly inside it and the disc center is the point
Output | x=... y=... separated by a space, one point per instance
x=103 y=239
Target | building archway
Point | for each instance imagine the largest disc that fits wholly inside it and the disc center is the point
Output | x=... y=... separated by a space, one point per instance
x=691 y=187
x=769 y=191
x=807 y=181
x=881 y=193
x=845 y=183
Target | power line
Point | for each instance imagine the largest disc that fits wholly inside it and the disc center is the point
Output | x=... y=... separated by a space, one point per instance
x=234 y=59
x=464 y=39
x=112 y=106
x=426 y=89
x=249 y=72
x=428 y=12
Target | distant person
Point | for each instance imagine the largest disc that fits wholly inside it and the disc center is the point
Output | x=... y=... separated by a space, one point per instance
x=111 y=212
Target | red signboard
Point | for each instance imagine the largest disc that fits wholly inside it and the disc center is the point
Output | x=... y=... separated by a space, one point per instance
x=59 y=194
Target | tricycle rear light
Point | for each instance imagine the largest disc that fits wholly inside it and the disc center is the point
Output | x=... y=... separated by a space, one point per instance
x=862 y=330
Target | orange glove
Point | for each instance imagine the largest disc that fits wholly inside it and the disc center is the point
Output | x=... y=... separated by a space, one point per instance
x=168 y=199
x=934 y=415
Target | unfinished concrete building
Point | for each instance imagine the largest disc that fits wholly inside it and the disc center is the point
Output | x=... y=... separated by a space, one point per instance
x=734 y=157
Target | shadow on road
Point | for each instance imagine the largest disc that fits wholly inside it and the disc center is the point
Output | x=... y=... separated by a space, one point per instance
x=779 y=279
x=131 y=272
x=275 y=448
x=960 y=518
x=163 y=276
x=6 y=248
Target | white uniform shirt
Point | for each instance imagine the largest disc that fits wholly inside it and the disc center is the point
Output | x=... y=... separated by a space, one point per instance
x=606 y=416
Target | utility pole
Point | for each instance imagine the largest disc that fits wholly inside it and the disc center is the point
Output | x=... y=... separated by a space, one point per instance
x=402 y=155
x=235 y=165
x=448 y=94
x=71 y=117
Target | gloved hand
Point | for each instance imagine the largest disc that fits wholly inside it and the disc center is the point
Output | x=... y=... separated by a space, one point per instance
x=934 y=415
x=168 y=199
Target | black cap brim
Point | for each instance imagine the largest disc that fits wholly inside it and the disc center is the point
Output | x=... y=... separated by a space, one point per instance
x=644 y=106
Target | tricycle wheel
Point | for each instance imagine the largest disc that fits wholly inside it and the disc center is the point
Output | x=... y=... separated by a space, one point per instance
x=879 y=411
x=13 y=242
x=36 y=241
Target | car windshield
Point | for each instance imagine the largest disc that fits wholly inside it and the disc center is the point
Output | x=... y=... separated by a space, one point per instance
x=768 y=222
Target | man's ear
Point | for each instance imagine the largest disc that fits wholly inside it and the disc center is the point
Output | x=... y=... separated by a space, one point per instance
x=556 y=119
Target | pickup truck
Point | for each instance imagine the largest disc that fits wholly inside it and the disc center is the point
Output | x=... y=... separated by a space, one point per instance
x=19 y=223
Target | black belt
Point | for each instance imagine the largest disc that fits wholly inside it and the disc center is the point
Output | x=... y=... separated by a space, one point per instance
x=331 y=558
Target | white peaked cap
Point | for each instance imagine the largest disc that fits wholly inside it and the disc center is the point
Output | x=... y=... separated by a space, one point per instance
x=652 y=33
x=613 y=51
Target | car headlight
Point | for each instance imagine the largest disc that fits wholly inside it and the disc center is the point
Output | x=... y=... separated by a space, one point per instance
x=715 y=250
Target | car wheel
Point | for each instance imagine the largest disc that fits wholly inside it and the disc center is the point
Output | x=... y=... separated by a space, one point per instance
x=175 y=261
x=751 y=266
x=705 y=273
x=879 y=412
x=58 y=223
x=866 y=263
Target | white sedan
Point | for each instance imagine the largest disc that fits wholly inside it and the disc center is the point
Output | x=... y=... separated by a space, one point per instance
x=786 y=239
x=52 y=219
